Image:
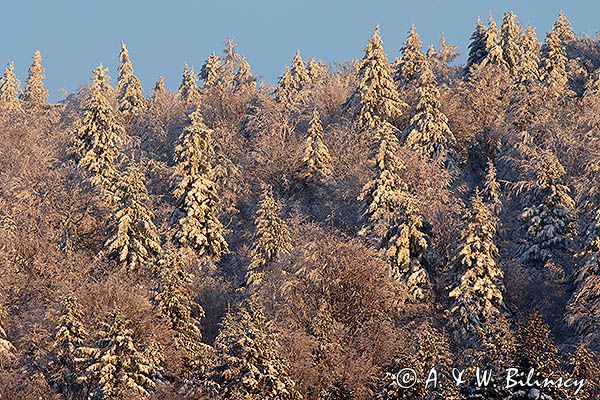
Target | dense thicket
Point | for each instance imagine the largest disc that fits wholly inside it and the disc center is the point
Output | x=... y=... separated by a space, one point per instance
x=307 y=239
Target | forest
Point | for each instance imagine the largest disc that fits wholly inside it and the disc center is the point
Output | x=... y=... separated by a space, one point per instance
x=312 y=238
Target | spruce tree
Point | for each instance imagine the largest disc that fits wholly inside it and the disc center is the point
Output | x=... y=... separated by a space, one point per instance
x=553 y=66
x=35 y=94
x=244 y=81
x=98 y=136
x=101 y=80
x=113 y=367
x=272 y=237
x=491 y=187
x=299 y=73
x=406 y=245
x=427 y=132
x=317 y=71
x=68 y=336
x=339 y=390
x=382 y=196
x=195 y=220
x=316 y=164
x=528 y=71
x=159 y=93
x=248 y=366
x=409 y=67
x=478 y=301
x=477 y=49
x=375 y=99
x=175 y=300
x=211 y=70
x=583 y=310
x=510 y=34
x=493 y=50
x=9 y=90
x=548 y=221
x=189 y=92
x=134 y=241
x=563 y=28
x=287 y=92
x=130 y=94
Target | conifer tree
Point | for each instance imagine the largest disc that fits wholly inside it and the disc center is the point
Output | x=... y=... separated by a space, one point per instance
x=113 y=367
x=244 y=81
x=9 y=90
x=491 y=187
x=427 y=132
x=316 y=164
x=97 y=136
x=493 y=50
x=529 y=64
x=175 y=300
x=248 y=366
x=553 y=65
x=408 y=68
x=382 y=196
x=375 y=100
x=447 y=52
x=478 y=301
x=477 y=48
x=129 y=88
x=583 y=310
x=299 y=72
x=338 y=391
x=510 y=32
x=189 y=91
x=211 y=70
x=287 y=91
x=195 y=220
x=317 y=71
x=135 y=240
x=563 y=28
x=272 y=237
x=35 y=94
x=68 y=336
x=159 y=93
x=101 y=80
x=406 y=245
x=585 y=367
x=548 y=221
x=6 y=347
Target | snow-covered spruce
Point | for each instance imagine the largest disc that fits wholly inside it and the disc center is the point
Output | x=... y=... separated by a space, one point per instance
x=9 y=90
x=35 y=95
x=194 y=220
x=248 y=366
x=134 y=241
x=130 y=94
x=375 y=99
x=410 y=63
x=272 y=237
x=316 y=164
x=478 y=299
x=189 y=92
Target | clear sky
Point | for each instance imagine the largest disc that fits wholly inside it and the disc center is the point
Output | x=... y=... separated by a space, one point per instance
x=75 y=35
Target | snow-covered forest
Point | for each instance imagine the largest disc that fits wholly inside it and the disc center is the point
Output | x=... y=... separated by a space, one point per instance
x=311 y=238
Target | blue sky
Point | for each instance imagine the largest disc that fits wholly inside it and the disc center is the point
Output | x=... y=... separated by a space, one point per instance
x=75 y=35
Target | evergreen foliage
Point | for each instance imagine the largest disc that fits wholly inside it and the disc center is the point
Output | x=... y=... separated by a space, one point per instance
x=478 y=299
x=316 y=164
x=248 y=366
x=9 y=90
x=410 y=64
x=35 y=94
x=427 y=132
x=189 y=92
x=272 y=237
x=375 y=99
x=477 y=49
x=134 y=241
x=195 y=220
x=130 y=94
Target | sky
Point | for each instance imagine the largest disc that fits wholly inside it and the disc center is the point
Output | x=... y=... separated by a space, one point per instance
x=74 y=36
